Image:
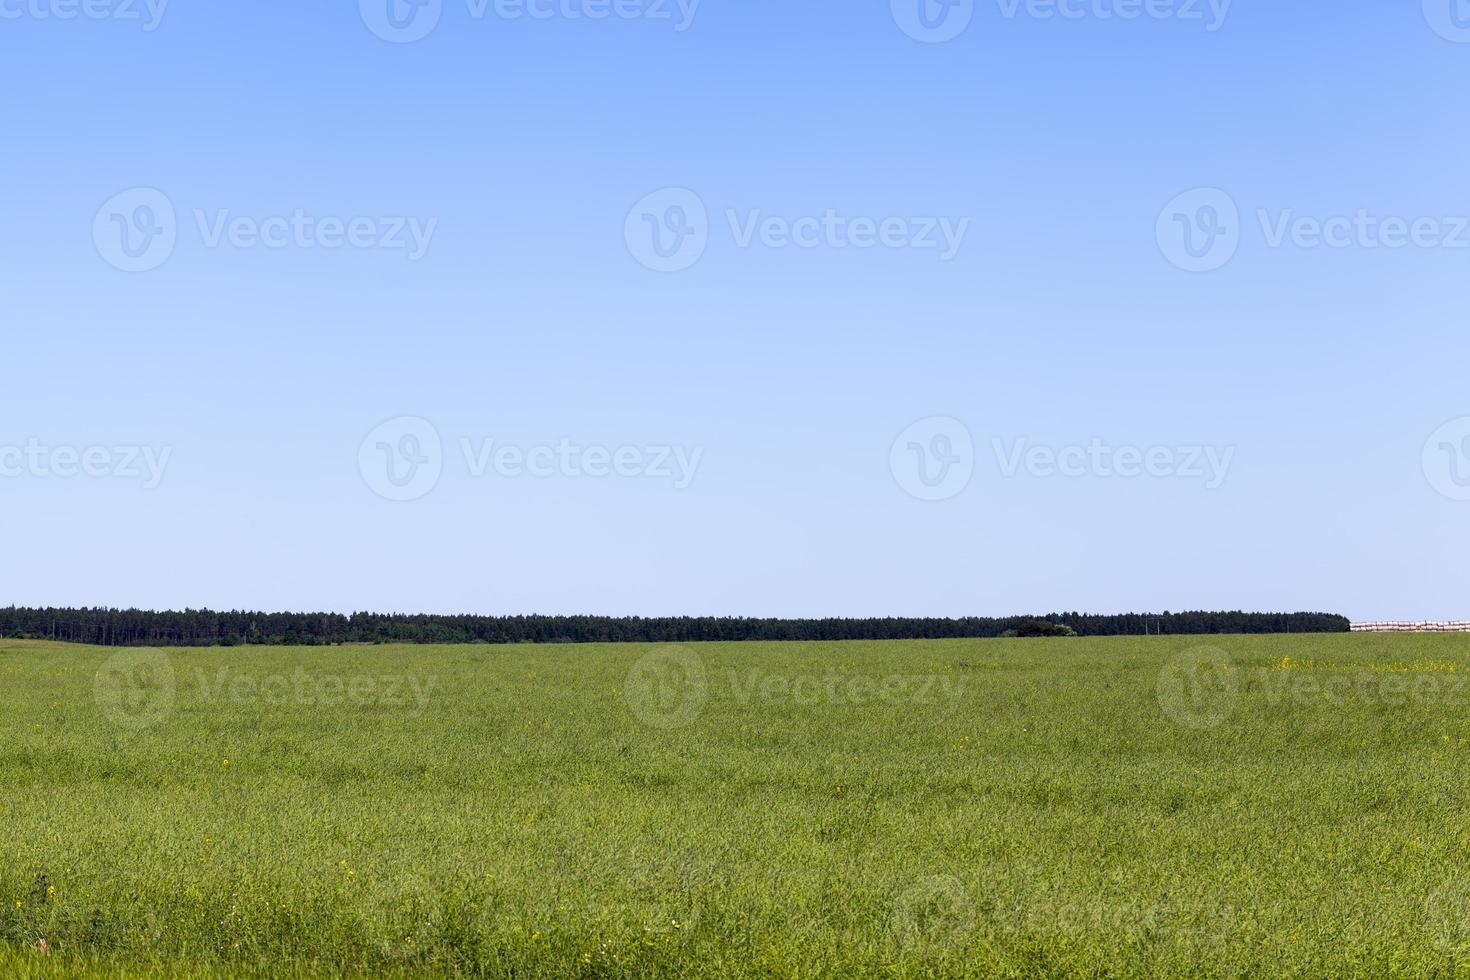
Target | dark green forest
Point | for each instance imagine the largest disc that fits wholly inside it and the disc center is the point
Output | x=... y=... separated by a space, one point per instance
x=201 y=627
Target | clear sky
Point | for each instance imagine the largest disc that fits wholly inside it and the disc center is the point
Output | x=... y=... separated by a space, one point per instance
x=760 y=308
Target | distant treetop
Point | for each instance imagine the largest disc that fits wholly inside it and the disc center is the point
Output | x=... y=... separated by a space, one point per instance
x=201 y=627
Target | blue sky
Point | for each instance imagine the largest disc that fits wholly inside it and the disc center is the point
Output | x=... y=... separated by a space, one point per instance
x=375 y=259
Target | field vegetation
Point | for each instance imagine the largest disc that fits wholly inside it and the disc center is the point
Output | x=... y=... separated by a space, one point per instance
x=1073 y=807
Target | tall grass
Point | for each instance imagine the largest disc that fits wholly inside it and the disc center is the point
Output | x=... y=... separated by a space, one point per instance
x=1222 y=806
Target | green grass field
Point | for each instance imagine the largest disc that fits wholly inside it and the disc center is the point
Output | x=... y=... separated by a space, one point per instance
x=1220 y=806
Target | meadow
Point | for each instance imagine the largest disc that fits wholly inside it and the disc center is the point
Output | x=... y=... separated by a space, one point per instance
x=1221 y=806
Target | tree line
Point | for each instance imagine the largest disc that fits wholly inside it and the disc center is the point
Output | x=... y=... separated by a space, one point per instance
x=202 y=627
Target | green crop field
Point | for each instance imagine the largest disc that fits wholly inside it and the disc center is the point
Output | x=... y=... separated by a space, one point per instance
x=1167 y=806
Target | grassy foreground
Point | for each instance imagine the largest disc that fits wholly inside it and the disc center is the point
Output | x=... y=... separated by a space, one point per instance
x=1220 y=806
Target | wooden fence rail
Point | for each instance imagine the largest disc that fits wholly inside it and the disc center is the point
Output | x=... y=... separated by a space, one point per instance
x=1427 y=626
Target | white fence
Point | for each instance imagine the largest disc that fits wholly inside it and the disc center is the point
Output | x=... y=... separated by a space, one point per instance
x=1462 y=626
